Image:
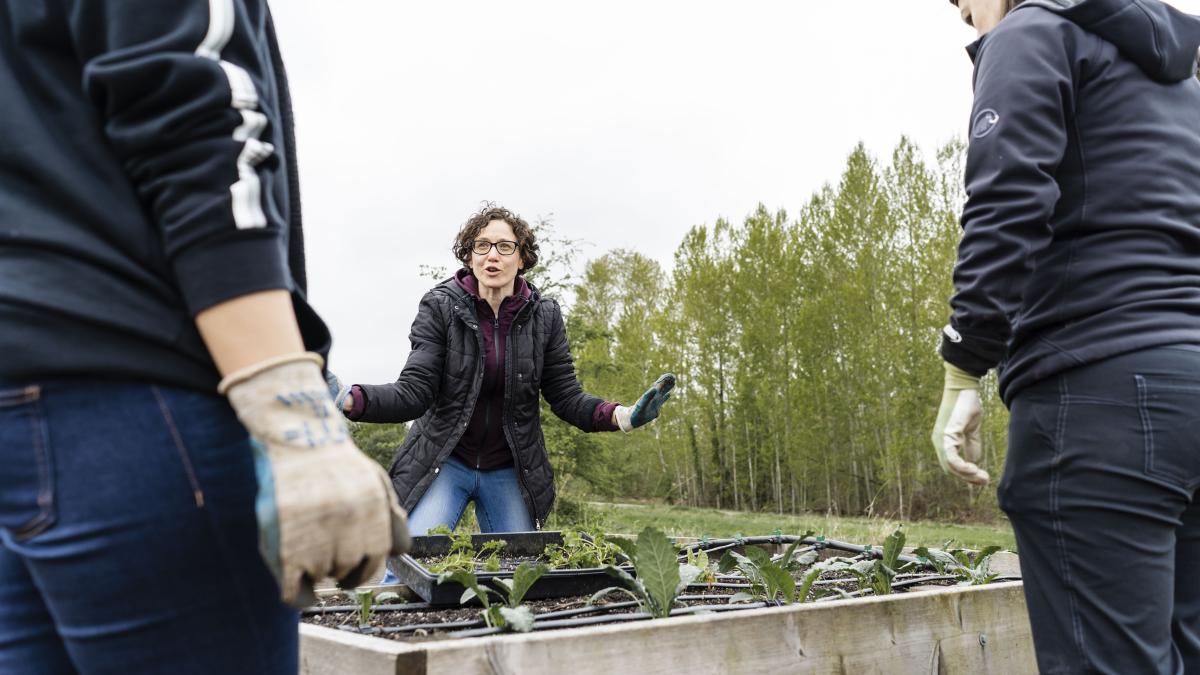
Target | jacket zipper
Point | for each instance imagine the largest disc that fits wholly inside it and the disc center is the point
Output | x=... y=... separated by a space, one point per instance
x=537 y=522
x=474 y=326
x=487 y=409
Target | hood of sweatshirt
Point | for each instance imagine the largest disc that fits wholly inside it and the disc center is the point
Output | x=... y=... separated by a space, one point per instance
x=1160 y=39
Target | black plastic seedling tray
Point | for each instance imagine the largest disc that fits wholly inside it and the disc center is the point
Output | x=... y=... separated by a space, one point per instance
x=553 y=584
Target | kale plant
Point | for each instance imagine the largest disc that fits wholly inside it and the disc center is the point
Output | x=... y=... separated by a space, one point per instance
x=767 y=579
x=463 y=556
x=970 y=571
x=872 y=573
x=582 y=550
x=508 y=613
x=366 y=603
x=660 y=577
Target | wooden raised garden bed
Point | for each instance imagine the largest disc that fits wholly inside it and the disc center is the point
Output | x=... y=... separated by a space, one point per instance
x=912 y=626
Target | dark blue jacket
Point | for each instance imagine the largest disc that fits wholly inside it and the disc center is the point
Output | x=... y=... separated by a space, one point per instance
x=1081 y=231
x=146 y=173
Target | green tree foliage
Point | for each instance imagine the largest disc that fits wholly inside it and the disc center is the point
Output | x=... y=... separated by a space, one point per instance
x=378 y=441
x=806 y=350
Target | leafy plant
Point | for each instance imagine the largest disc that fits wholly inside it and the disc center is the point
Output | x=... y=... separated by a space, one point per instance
x=977 y=571
x=873 y=573
x=463 y=556
x=509 y=613
x=366 y=603
x=970 y=571
x=660 y=577
x=769 y=579
x=698 y=558
x=580 y=551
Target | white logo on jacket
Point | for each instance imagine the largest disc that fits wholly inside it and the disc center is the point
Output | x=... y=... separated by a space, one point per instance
x=985 y=121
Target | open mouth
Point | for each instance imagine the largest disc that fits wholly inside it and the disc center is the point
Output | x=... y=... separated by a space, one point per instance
x=492 y=269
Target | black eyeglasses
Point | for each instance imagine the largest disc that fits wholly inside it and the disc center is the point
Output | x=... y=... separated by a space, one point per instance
x=483 y=247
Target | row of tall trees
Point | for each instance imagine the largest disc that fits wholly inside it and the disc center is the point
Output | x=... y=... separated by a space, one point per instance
x=805 y=349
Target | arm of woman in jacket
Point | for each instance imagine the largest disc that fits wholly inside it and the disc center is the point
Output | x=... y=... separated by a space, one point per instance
x=561 y=388
x=417 y=387
x=570 y=402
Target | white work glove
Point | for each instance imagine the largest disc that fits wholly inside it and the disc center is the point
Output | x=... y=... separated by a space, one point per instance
x=324 y=508
x=956 y=435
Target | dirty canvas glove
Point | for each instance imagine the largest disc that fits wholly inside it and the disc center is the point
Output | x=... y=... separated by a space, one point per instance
x=647 y=407
x=956 y=435
x=324 y=508
x=339 y=392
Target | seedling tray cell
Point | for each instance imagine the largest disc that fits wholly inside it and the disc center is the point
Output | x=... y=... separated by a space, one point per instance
x=557 y=583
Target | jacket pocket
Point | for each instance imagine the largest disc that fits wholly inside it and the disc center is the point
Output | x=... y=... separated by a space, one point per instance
x=27 y=481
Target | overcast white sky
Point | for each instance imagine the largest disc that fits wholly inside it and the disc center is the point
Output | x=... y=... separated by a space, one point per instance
x=629 y=121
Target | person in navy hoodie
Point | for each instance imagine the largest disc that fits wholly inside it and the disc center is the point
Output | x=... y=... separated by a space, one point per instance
x=1078 y=279
x=173 y=472
x=485 y=346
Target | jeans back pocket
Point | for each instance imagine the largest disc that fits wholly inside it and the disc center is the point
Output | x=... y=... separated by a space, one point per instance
x=27 y=481
x=1170 y=412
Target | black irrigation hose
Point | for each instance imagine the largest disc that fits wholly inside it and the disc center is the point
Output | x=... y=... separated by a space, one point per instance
x=390 y=630
x=331 y=609
x=905 y=584
x=592 y=620
x=564 y=623
x=714 y=545
x=580 y=611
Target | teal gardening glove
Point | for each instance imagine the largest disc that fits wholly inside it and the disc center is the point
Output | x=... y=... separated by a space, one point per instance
x=956 y=435
x=647 y=407
x=339 y=392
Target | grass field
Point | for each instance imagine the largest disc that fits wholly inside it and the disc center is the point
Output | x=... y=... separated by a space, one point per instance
x=686 y=521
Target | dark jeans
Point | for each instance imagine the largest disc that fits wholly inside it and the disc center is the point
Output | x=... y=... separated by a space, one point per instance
x=1100 y=485
x=128 y=541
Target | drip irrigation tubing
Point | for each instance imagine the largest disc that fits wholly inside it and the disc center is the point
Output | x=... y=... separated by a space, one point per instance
x=905 y=584
x=592 y=620
x=334 y=609
x=714 y=545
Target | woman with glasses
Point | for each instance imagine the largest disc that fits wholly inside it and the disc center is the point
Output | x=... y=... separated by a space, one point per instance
x=485 y=347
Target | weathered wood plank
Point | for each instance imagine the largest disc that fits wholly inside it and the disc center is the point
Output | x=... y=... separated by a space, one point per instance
x=931 y=632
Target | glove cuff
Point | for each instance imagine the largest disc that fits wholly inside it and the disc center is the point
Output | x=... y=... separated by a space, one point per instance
x=623 y=415
x=239 y=376
x=958 y=379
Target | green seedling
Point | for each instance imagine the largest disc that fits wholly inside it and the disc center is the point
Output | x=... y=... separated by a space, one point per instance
x=660 y=577
x=970 y=571
x=977 y=571
x=463 y=556
x=770 y=581
x=698 y=558
x=580 y=552
x=366 y=603
x=508 y=613
x=873 y=573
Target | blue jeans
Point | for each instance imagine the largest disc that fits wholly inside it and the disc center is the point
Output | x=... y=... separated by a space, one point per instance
x=1101 y=487
x=496 y=493
x=128 y=541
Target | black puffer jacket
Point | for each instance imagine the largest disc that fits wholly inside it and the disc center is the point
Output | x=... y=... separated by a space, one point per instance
x=440 y=384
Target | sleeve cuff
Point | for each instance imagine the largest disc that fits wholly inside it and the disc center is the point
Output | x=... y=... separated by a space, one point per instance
x=973 y=354
x=602 y=417
x=360 y=402
x=234 y=266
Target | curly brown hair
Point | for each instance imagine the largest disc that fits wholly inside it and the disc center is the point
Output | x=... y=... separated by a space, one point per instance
x=526 y=241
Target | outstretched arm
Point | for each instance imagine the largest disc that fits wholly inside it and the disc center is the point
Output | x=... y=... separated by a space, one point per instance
x=417 y=387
